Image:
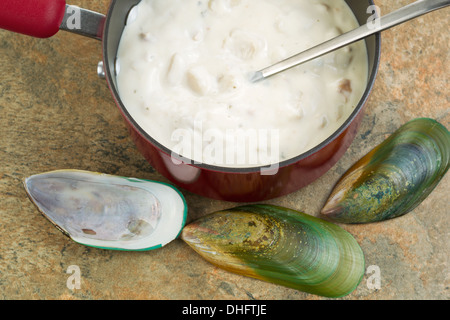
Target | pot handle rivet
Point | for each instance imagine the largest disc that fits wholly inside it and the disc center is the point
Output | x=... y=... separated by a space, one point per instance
x=101 y=70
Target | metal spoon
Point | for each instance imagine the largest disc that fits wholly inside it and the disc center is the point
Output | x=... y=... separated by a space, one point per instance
x=390 y=20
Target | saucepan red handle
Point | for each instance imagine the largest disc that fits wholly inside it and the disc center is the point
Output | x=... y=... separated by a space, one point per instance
x=37 y=18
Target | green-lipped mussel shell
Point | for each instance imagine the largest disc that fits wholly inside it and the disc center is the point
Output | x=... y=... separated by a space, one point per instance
x=281 y=246
x=395 y=177
x=109 y=212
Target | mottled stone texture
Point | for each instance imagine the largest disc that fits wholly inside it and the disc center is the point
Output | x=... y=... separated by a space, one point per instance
x=56 y=114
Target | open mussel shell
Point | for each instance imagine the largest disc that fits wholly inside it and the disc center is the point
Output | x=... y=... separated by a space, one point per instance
x=395 y=177
x=281 y=246
x=107 y=211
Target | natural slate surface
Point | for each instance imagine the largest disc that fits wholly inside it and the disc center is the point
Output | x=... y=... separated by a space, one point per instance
x=57 y=114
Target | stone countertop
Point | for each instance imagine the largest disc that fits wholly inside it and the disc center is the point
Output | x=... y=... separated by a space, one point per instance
x=57 y=114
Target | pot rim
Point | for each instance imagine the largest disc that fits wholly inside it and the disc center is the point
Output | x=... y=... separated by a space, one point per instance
x=238 y=170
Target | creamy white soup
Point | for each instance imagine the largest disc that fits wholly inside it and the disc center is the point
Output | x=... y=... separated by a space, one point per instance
x=183 y=70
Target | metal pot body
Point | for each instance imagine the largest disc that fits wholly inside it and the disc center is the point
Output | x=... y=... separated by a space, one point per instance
x=245 y=184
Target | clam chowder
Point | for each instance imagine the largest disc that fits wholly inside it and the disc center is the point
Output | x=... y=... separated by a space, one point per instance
x=183 y=70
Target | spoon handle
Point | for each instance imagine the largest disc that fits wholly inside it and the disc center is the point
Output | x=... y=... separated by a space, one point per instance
x=390 y=20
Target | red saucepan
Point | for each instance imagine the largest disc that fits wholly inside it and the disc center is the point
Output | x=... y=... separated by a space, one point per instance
x=43 y=18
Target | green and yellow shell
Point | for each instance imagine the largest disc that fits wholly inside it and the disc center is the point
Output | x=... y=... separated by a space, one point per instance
x=395 y=177
x=281 y=246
